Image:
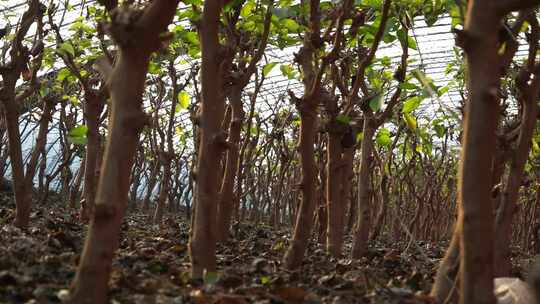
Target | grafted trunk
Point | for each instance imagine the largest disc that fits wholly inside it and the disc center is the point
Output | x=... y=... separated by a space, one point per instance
x=361 y=235
x=304 y=215
x=126 y=84
x=225 y=205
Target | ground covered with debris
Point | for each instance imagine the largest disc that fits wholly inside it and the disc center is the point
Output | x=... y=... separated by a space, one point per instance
x=152 y=265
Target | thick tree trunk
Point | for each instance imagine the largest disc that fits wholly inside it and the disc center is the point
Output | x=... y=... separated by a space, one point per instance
x=304 y=217
x=361 y=235
x=202 y=244
x=126 y=84
x=480 y=42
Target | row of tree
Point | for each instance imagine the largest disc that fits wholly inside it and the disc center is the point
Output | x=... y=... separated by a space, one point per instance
x=351 y=148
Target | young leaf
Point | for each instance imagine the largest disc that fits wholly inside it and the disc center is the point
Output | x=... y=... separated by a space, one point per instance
x=287 y=71
x=383 y=137
x=66 y=48
x=77 y=135
x=291 y=25
x=376 y=103
x=410 y=120
x=268 y=68
x=79 y=131
x=411 y=104
x=183 y=101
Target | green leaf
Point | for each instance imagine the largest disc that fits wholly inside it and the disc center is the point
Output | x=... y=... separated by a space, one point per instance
x=344 y=119
x=383 y=137
x=402 y=36
x=63 y=74
x=411 y=104
x=265 y=280
x=154 y=68
x=535 y=147
x=268 y=68
x=247 y=9
x=77 y=135
x=183 y=101
x=371 y=3
x=408 y=86
x=410 y=120
x=439 y=129
x=192 y=38
x=376 y=103
x=79 y=131
x=66 y=48
x=290 y=25
x=442 y=91
x=288 y=71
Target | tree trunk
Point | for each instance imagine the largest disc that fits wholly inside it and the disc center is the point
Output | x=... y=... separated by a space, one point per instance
x=503 y=222
x=165 y=159
x=126 y=84
x=93 y=109
x=335 y=203
x=225 y=205
x=23 y=198
x=304 y=217
x=361 y=235
x=202 y=245
x=480 y=42
x=445 y=287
